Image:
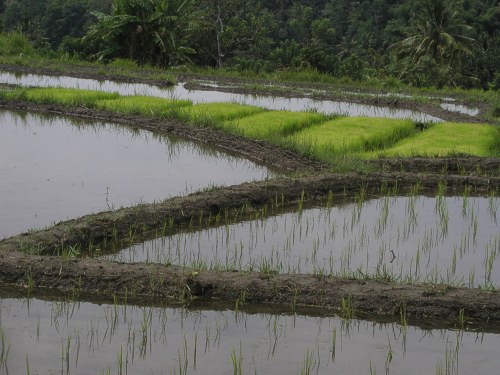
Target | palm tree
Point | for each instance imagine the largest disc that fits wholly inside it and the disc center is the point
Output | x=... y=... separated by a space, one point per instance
x=147 y=31
x=436 y=33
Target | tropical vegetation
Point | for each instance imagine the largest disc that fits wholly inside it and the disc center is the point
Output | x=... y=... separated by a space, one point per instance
x=443 y=43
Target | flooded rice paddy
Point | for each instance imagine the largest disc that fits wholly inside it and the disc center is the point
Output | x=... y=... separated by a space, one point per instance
x=453 y=240
x=55 y=168
x=459 y=108
x=204 y=96
x=56 y=337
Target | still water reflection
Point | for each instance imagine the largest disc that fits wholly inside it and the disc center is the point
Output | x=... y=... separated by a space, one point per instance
x=54 y=168
x=202 y=96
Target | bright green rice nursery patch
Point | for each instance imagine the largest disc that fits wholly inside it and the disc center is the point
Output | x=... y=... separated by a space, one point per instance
x=350 y=135
x=306 y=132
x=213 y=113
x=268 y=125
x=143 y=105
x=56 y=95
x=447 y=139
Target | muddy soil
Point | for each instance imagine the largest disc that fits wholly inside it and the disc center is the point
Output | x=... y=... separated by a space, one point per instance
x=167 y=283
x=22 y=267
x=27 y=261
x=232 y=203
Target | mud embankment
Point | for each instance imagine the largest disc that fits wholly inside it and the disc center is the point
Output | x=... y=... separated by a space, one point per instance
x=155 y=281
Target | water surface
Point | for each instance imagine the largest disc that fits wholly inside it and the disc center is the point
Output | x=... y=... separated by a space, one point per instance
x=55 y=168
x=43 y=337
x=434 y=239
x=202 y=96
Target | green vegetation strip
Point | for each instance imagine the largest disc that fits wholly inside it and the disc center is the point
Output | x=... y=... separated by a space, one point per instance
x=448 y=138
x=268 y=125
x=350 y=135
x=215 y=113
x=143 y=105
x=312 y=134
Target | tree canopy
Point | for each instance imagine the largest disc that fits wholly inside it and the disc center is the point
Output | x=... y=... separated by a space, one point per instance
x=421 y=42
x=149 y=32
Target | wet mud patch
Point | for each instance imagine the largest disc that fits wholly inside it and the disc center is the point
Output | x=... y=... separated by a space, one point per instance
x=154 y=282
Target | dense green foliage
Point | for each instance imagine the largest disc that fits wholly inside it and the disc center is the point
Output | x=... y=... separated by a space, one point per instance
x=419 y=42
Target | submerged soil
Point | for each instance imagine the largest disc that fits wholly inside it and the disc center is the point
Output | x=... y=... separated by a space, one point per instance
x=29 y=261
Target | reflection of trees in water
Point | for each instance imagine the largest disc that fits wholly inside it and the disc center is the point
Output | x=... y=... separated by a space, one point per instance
x=175 y=146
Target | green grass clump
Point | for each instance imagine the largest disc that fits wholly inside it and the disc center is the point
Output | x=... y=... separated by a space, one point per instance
x=269 y=125
x=350 y=135
x=71 y=97
x=449 y=139
x=215 y=113
x=144 y=105
x=15 y=44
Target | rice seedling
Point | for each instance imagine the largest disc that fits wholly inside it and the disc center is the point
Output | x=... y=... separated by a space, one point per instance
x=27 y=365
x=215 y=113
x=462 y=319
x=389 y=356
x=144 y=105
x=4 y=349
x=493 y=206
x=237 y=361
x=69 y=97
x=448 y=139
x=308 y=364
x=347 y=308
x=271 y=124
x=350 y=135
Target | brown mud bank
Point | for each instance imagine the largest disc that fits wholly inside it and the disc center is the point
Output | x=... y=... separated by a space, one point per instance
x=25 y=260
x=233 y=203
x=167 y=284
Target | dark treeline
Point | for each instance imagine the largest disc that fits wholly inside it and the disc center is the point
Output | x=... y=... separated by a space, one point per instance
x=419 y=42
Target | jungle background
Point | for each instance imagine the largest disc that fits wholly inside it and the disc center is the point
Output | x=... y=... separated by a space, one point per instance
x=423 y=43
